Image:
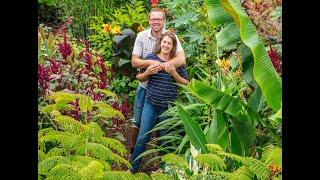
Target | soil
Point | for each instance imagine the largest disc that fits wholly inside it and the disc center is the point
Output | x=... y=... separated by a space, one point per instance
x=129 y=143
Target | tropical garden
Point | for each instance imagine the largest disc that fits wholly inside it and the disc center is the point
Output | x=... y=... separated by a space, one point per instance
x=225 y=124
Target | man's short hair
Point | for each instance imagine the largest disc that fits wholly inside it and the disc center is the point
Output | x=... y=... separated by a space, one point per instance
x=157 y=10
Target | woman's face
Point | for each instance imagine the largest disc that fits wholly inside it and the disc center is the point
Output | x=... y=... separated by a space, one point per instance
x=166 y=45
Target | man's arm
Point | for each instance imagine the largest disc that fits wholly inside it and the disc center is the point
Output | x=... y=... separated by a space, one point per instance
x=179 y=60
x=141 y=63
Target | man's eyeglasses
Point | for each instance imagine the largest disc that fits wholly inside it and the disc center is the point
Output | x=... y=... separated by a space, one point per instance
x=156 y=19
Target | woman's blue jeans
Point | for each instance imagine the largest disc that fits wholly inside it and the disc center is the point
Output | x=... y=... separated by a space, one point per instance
x=138 y=105
x=149 y=118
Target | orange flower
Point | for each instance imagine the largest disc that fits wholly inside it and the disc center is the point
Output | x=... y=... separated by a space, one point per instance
x=106 y=28
x=224 y=64
x=116 y=30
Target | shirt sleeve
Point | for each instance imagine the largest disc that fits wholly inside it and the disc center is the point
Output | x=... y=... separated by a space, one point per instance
x=138 y=46
x=183 y=72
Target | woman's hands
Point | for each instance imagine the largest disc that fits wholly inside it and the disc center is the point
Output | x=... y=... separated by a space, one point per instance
x=169 y=69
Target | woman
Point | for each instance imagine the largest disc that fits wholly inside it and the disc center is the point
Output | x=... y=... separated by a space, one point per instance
x=161 y=90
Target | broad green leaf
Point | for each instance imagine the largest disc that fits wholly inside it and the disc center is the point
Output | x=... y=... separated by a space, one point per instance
x=228 y=36
x=245 y=133
x=176 y=160
x=193 y=130
x=256 y=100
x=263 y=70
x=222 y=101
x=218 y=131
x=247 y=64
x=216 y=13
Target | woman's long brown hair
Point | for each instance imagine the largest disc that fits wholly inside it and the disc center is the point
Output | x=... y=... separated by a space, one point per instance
x=157 y=48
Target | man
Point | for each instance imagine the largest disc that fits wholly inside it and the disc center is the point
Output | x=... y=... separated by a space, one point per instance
x=143 y=46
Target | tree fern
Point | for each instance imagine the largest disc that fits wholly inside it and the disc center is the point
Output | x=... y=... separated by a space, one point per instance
x=68 y=97
x=41 y=155
x=94 y=170
x=117 y=175
x=211 y=160
x=113 y=144
x=86 y=160
x=56 y=152
x=213 y=148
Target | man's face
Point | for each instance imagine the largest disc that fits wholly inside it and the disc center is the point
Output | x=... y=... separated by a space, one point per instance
x=156 y=21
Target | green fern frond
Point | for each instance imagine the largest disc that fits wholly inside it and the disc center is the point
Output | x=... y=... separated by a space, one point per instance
x=62 y=104
x=232 y=156
x=211 y=160
x=56 y=152
x=113 y=144
x=99 y=151
x=68 y=97
x=213 y=148
x=142 y=176
x=45 y=165
x=48 y=108
x=257 y=167
x=64 y=171
x=207 y=177
x=41 y=156
x=175 y=160
x=86 y=160
x=117 y=175
x=85 y=103
x=94 y=170
x=69 y=124
x=272 y=155
x=65 y=139
x=43 y=132
x=107 y=93
x=108 y=111
x=160 y=176
x=92 y=131
x=242 y=173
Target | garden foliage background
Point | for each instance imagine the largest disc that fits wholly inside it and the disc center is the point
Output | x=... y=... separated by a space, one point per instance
x=226 y=123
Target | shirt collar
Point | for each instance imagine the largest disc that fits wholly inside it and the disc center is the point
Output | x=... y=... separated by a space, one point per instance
x=149 y=33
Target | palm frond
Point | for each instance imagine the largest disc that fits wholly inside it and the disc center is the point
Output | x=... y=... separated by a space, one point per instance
x=86 y=160
x=211 y=160
x=56 y=152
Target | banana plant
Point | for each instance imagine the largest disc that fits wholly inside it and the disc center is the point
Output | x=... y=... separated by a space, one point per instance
x=236 y=26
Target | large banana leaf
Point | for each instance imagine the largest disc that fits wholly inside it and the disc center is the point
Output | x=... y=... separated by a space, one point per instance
x=222 y=101
x=216 y=14
x=247 y=64
x=194 y=132
x=245 y=134
x=263 y=70
x=228 y=36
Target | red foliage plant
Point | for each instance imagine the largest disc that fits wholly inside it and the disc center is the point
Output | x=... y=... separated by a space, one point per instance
x=276 y=59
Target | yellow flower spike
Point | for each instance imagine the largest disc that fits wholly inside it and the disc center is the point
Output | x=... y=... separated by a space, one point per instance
x=116 y=30
x=106 y=28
